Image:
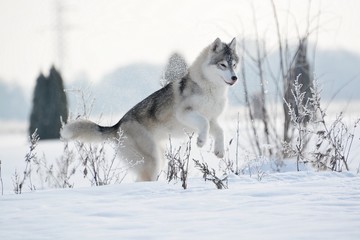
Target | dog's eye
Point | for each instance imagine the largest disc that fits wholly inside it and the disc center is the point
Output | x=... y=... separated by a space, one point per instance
x=222 y=65
x=234 y=66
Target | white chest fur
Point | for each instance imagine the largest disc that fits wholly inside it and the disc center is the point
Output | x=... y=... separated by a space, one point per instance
x=213 y=104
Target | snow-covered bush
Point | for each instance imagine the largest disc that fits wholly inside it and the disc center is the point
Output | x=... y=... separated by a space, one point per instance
x=325 y=145
x=97 y=167
x=20 y=180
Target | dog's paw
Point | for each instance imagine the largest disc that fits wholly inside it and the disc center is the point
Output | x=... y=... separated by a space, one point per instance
x=219 y=153
x=202 y=137
x=219 y=149
x=200 y=142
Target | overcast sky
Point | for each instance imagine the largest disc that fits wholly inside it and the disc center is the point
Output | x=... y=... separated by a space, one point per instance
x=99 y=36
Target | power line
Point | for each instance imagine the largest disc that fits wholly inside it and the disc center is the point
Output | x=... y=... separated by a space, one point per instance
x=62 y=29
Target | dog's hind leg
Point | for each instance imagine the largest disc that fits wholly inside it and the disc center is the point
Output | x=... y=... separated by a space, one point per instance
x=149 y=170
x=141 y=146
x=151 y=167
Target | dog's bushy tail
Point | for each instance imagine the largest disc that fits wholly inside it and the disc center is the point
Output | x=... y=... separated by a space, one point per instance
x=175 y=69
x=87 y=131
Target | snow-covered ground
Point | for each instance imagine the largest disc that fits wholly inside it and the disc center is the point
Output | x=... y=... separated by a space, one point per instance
x=294 y=205
x=263 y=205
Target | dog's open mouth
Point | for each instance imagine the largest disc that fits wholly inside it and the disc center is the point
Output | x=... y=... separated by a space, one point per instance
x=230 y=83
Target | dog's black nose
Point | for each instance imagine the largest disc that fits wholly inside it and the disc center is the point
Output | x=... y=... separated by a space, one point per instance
x=234 y=78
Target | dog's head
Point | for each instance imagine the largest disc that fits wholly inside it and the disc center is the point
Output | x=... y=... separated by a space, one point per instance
x=222 y=62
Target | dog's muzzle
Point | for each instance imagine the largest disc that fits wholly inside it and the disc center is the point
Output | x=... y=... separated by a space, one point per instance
x=233 y=80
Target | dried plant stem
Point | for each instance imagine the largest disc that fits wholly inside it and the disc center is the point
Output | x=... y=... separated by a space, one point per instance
x=1 y=181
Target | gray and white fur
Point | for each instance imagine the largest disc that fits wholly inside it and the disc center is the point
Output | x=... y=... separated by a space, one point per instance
x=192 y=103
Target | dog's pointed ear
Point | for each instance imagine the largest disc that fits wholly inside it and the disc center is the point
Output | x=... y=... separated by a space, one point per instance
x=216 y=45
x=232 y=44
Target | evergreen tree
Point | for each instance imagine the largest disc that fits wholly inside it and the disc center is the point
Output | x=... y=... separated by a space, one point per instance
x=49 y=105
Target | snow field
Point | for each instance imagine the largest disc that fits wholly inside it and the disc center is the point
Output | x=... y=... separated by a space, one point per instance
x=285 y=205
x=294 y=205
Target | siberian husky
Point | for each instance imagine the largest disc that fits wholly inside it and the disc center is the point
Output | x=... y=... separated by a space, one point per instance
x=192 y=103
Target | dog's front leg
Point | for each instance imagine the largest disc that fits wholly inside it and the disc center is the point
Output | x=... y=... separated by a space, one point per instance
x=195 y=120
x=218 y=134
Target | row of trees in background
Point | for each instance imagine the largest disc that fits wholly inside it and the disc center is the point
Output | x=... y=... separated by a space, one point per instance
x=13 y=103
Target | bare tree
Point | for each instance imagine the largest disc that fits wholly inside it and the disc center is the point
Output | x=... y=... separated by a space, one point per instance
x=292 y=61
